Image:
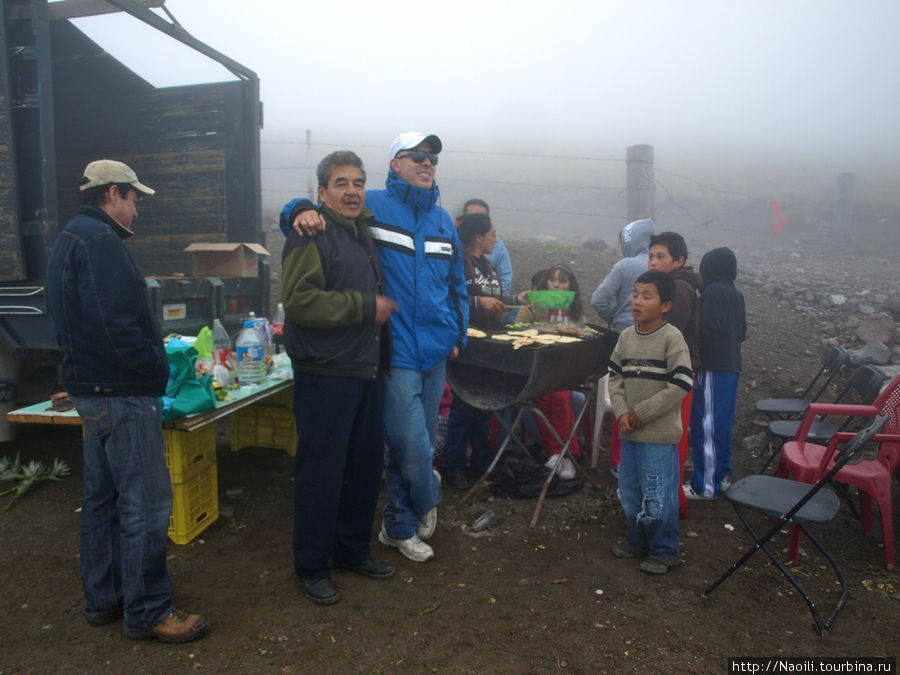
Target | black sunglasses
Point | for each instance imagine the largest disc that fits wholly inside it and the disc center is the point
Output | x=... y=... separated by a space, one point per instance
x=418 y=156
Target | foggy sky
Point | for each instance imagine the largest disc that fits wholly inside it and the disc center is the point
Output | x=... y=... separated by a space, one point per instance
x=765 y=87
x=802 y=76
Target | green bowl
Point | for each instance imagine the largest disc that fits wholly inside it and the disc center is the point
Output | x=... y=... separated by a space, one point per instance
x=551 y=299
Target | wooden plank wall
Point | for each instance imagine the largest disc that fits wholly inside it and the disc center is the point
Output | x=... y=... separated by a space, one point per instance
x=180 y=141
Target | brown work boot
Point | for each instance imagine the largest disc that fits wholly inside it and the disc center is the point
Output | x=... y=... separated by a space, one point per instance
x=177 y=627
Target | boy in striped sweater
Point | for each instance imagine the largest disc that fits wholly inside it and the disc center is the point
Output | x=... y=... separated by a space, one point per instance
x=650 y=372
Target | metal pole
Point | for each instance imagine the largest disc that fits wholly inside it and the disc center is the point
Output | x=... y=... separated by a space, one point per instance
x=310 y=183
x=846 y=186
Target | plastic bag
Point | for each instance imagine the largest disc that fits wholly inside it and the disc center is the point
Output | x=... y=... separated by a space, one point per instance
x=188 y=393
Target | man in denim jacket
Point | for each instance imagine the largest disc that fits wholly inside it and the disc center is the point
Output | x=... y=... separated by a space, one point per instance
x=115 y=368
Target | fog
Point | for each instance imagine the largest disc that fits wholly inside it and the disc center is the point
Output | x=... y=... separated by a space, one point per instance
x=744 y=103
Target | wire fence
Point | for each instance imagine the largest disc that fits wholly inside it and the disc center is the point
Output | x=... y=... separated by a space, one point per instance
x=587 y=190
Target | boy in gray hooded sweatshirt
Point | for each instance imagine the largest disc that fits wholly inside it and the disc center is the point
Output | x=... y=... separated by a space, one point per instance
x=612 y=298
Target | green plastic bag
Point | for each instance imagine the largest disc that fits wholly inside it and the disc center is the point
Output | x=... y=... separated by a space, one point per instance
x=188 y=393
x=204 y=344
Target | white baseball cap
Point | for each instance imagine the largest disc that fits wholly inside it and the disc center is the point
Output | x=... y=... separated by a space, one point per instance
x=411 y=139
x=107 y=171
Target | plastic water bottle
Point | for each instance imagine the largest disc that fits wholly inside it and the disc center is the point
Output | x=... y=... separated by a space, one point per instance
x=223 y=356
x=278 y=326
x=278 y=321
x=250 y=352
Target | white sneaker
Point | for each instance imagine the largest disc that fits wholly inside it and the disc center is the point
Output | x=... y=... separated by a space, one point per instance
x=413 y=548
x=690 y=494
x=428 y=522
x=566 y=469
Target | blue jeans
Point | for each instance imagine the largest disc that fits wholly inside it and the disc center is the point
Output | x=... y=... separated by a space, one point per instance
x=468 y=425
x=337 y=471
x=411 y=400
x=125 y=507
x=648 y=489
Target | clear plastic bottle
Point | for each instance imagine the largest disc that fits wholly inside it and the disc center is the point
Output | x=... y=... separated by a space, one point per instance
x=250 y=352
x=278 y=326
x=223 y=355
x=278 y=321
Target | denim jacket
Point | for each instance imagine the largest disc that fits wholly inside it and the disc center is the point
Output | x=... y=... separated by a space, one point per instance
x=97 y=297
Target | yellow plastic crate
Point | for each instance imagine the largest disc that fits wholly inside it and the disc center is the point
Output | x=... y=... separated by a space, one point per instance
x=187 y=451
x=195 y=504
x=281 y=399
x=265 y=427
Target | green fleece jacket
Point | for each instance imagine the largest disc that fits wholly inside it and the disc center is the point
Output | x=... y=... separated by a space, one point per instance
x=649 y=374
x=328 y=287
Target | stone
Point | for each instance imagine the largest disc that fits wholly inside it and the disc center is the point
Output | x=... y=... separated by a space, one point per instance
x=595 y=245
x=873 y=352
x=755 y=442
x=866 y=309
x=877 y=328
x=892 y=305
x=837 y=299
x=852 y=322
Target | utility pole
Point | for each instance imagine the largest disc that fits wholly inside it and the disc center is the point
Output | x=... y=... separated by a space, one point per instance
x=310 y=183
x=846 y=187
x=640 y=183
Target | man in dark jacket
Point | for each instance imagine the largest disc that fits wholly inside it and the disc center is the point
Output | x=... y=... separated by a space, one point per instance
x=338 y=337
x=115 y=369
x=723 y=327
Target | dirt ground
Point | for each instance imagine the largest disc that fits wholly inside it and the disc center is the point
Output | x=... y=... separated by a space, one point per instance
x=514 y=599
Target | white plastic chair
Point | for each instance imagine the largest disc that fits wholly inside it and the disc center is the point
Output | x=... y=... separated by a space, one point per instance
x=603 y=406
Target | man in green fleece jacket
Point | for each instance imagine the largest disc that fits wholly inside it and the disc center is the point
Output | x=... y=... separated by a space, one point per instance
x=337 y=334
x=649 y=374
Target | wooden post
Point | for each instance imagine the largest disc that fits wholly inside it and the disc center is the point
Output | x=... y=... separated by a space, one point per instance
x=843 y=212
x=640 y=183
x=310 y=171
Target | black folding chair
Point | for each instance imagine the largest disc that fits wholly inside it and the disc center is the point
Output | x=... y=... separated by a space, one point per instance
x=864 y=382
x=800 y=503
x=787 y=408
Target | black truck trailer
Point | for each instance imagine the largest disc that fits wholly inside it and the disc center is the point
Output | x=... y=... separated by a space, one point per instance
x=65 y=101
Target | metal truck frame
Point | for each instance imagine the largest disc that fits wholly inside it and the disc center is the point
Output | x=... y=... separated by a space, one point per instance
x=64 y=102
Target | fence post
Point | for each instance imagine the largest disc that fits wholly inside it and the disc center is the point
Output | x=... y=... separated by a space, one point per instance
x=846 y=186
x=640 y=183
x=310 y=180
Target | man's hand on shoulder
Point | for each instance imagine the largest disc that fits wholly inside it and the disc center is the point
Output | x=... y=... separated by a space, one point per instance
x=384 y=306
x=308 y=222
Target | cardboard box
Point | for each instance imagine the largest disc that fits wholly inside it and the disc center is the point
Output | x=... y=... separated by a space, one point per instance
x=227 y=259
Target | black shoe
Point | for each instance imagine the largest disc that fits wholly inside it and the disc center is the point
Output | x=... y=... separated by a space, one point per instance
x=103 y=619
x=374 y=568
x=320 y=591
x=625 y=551
x=459 y=482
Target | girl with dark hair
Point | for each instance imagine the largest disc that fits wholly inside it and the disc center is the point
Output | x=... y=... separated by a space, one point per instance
x=558 y=406
x=487 y=306
x=556 y=278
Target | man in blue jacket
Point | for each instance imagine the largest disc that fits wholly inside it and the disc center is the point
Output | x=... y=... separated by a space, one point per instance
x=422 y=264
x=115 y=369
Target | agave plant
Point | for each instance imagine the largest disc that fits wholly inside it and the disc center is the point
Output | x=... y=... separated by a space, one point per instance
x=27 y=475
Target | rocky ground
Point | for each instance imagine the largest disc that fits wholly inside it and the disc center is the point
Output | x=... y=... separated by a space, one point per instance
x=512 y=599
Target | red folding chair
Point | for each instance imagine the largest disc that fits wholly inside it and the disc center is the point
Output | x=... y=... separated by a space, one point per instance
x=807 y=462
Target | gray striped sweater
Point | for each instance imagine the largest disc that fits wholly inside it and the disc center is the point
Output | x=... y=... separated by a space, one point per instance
x=649 y=374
